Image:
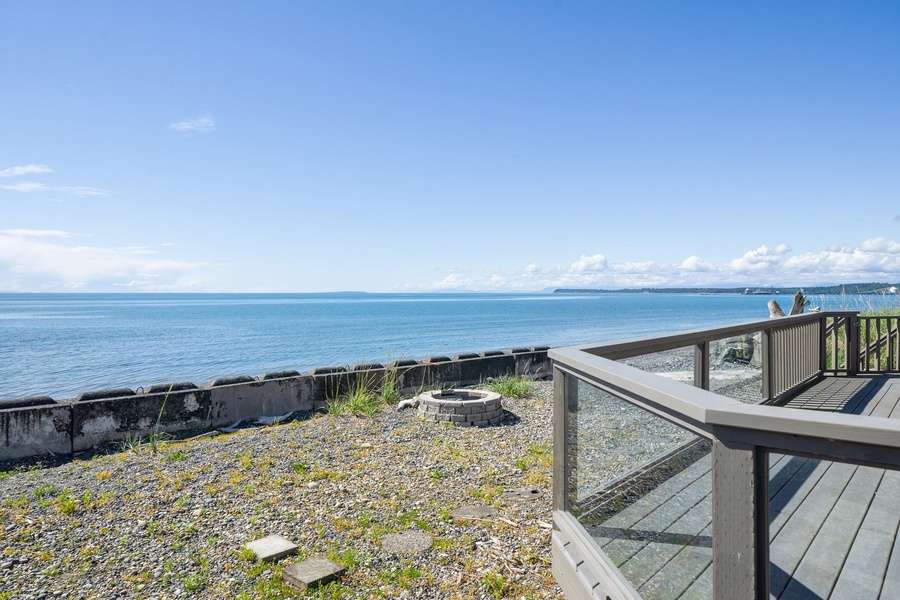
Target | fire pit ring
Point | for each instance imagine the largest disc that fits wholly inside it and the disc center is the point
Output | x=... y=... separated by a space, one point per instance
x=463 y=408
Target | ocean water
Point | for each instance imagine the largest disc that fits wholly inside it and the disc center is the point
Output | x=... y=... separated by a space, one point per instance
x=63 y=344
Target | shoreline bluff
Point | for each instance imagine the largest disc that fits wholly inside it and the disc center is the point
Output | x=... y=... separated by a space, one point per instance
x=173 y=524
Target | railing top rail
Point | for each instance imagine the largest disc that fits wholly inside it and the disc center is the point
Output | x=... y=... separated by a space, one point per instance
x=619 y=349
x=702 y=410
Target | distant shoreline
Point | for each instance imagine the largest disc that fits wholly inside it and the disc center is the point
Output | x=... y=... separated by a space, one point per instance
x=851 y=289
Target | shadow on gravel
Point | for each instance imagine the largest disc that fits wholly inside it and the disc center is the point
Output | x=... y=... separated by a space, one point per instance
x=509 y=418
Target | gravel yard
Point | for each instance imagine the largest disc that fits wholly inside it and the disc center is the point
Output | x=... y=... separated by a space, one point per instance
x=130 y=523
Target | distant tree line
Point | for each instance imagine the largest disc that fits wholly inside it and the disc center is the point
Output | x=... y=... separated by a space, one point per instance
x=851 y=289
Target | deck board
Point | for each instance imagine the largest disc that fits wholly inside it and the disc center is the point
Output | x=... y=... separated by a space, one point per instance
x=688 y=566
x=859 y=577
x=824 y=558
x=631 y=539
x=701 y=588
x=789 y=547
x=787 y=497
x=687 y=530
x=887 y=402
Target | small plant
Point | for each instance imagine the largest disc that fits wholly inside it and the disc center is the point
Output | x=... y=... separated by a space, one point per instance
x=390 y=386
x=245 y=459
x=336 y=407
x=436 y=474
x=175 y=455
x=361 y=398
x=156 y=436
x=66 y=502
x=522 y=464
x=42 y=491
x=347 y=559
x=511 y=387
x=156 y=439
x=495 y=584
x=542 y=453
x=300 y=468
x=193 y=583
x=132 y=443
x=247 y=555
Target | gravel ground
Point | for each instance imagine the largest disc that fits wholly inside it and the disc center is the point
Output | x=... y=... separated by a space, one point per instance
x=138 y=524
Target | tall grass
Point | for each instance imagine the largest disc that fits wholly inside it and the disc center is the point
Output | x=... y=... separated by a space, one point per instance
x=366 y=393
x=511 y=387
x=872 y=334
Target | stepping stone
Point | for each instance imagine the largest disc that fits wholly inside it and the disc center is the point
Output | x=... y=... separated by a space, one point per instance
x=311 y=573
x=408 y=542
x=271 y=547
x=473 y=512
x=526 y=493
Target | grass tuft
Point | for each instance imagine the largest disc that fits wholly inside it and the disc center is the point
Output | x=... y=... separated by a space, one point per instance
x=511 y=387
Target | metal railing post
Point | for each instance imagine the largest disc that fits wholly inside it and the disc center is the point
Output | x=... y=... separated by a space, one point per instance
x=701 y=365
x=564 y=394
x=823 y=344
x=853 y=344
x=768 y=365
x=740 y=478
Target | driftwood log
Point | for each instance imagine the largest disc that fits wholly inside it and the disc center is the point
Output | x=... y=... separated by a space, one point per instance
x=800 y=302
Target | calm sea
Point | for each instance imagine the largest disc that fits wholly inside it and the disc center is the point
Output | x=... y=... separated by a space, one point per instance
x=63 y=344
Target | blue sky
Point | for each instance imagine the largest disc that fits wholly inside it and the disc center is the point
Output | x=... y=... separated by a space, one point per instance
x=434 y=146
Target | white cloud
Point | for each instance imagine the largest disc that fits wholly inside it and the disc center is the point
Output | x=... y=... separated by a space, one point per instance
x=880 y=244
x=635 y=268
x=45 y=260
x=696 y=264
x=203 y=124
x=25 y=186
x=590 y=264
x=38 y=233
x=532 y=270
x=33 y=186
x=876 y=259
x=75 y=190
x=759 y=260
x=25 y=170
x=80 y=190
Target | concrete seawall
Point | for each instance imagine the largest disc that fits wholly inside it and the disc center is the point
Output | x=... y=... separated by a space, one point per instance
x=33 y=426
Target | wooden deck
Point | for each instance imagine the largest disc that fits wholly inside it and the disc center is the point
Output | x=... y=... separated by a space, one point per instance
x=832 y=526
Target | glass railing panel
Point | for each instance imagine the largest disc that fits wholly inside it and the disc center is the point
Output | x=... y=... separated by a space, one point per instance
x=735 y=368
x=677 y=364
x=641 y=486
x=832 y=529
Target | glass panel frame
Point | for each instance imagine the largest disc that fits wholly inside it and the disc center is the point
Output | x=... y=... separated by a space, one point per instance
x=640 y=485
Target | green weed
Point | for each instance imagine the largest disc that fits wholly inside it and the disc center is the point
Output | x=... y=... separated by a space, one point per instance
x=156 y=437
x=66 y=502
x=132 y=443
x=390 y=386
x=175 y=455
x=42 y=491
x=495 y=584
x=511 y=387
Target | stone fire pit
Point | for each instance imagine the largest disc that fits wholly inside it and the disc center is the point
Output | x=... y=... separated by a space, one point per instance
x=463 y=408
